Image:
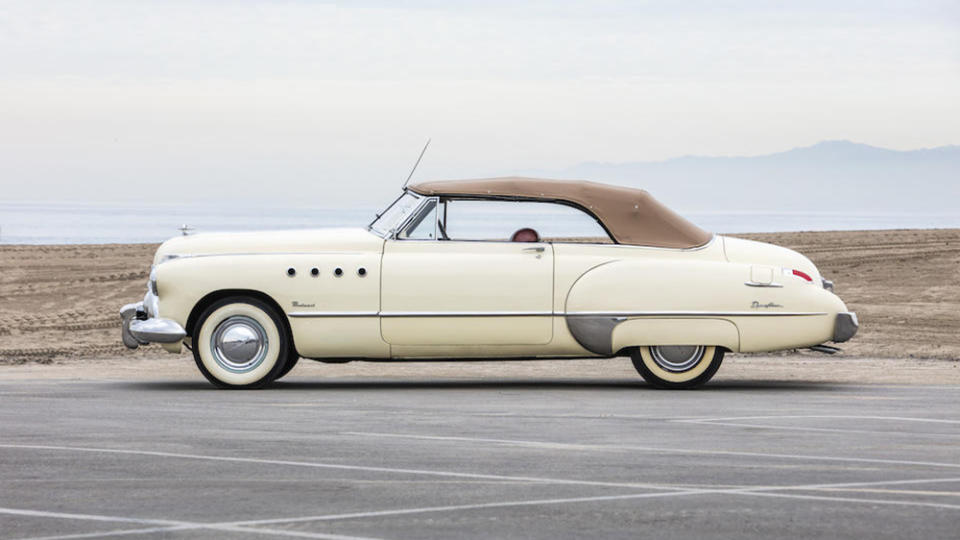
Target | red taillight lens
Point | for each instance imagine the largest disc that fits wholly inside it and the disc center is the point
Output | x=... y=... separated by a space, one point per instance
x=802 y=275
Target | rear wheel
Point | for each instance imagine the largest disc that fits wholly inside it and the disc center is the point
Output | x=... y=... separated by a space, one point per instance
x=240 y=342
x=677 y=366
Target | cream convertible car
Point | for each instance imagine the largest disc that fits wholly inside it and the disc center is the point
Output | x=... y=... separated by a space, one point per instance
x=507 y=268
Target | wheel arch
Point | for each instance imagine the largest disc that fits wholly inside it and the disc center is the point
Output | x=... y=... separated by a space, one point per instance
x=629 y=349
x=215 y=296
x=639 y=332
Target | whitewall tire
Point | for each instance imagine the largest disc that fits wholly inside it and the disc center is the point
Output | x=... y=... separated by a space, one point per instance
x=677 y=366
x=240 y=342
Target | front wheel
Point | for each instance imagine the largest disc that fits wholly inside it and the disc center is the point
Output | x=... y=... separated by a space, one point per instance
x=677 y=366
x=240 y=342
x=292 y=360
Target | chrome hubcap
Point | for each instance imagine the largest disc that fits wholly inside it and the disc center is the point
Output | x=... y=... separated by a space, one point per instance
x=239 y=344
x=677 y=358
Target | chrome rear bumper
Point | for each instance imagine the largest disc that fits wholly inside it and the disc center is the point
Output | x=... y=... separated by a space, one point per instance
x=139 y=327
x=845 y=327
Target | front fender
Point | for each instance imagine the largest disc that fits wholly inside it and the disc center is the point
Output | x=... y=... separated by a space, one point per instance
x=184 y=281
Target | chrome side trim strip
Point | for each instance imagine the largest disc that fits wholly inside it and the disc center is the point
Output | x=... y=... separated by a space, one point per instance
x=617 y=314
x=395 y=314
x=709 y=243
x=694 y=313
x=333 y=314
x=265 y=254
x=468 y=314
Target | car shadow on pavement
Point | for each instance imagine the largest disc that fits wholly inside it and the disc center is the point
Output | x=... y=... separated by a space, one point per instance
x=538 y=384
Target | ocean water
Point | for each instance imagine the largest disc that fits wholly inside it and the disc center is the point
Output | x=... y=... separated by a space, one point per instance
x=74 y=223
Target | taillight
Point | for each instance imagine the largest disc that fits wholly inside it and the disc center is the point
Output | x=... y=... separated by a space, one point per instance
x=803 y=275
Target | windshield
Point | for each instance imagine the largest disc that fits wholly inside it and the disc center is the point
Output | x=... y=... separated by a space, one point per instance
x=391 y=218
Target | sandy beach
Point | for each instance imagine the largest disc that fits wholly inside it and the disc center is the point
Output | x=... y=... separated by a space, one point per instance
x=59 y=304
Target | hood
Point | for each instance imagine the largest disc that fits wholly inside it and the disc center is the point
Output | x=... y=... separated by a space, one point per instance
x=294 y=241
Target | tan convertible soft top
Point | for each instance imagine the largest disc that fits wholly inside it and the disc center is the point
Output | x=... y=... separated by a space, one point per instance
x=631 y=216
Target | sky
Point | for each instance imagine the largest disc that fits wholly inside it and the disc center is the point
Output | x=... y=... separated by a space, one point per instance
x=330 y=103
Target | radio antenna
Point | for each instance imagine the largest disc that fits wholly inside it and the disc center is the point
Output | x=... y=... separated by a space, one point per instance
x=422 y=152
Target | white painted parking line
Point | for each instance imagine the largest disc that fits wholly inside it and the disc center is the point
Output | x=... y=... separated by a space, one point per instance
x=655 y=449
x=250 y=526
x=107 y=534
x=827 y=416
x=918 y=492
x=873 y=483
x=132 y=532
x=87 y=517
x=828 y=430
x=851 y=500
x=478 y=506
x=171 y=526
x=337 y=466
x=284 y=532
x=678 y=493
x=238 y=526
x=754 y=490
x=739 y=421
x=167 y=525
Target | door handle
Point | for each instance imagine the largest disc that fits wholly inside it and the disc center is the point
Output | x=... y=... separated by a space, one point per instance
x=538 y=250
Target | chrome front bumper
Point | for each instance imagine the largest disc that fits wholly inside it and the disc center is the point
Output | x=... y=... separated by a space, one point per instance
x=845 y=327
x=141 y=327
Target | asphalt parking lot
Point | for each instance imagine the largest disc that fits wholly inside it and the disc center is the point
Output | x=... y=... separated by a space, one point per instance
x=517 y=457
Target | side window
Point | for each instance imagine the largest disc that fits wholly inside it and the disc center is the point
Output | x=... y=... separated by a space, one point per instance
x=423 y=226
x=505 y=221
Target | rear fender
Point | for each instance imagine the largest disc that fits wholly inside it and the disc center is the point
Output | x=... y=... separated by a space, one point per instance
x=695 y=302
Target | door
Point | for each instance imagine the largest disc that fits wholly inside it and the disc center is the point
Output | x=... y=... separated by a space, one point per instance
x=452 y=292
x=455 y=275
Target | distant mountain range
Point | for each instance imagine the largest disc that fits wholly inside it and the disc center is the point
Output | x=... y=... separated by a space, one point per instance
x=831 y=176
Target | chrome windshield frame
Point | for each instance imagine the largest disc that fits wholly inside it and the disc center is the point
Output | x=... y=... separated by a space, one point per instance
x=420 y=209
x=412 y=211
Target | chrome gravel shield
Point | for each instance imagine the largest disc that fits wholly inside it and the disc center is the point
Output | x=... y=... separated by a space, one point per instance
x=677 y=358
x=845 y=327
x=239 y=344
